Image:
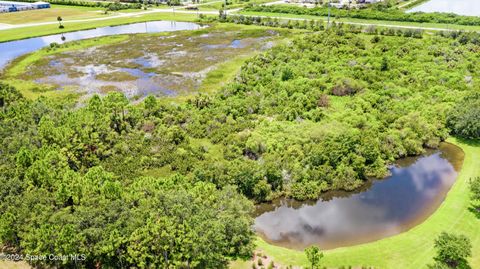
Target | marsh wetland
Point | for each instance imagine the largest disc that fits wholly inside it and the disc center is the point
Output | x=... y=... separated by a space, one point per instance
x=162 y=64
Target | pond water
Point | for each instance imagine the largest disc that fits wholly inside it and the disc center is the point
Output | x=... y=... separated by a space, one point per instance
x=11 y=50
x=460 y=7
x=416 y=188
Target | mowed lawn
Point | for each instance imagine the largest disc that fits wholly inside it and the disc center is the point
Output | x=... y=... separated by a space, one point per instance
x=412 y=249
x=51 y=14
x=34 y=31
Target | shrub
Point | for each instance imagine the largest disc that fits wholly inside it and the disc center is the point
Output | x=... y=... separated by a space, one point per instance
x=463 y=119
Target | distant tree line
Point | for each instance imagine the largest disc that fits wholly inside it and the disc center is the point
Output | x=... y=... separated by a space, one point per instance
x=312 y=25
x=370 y=14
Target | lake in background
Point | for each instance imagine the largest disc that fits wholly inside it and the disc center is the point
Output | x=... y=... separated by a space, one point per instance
x=416 y=188
x=460 y=7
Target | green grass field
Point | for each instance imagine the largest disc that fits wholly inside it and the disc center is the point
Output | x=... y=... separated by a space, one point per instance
x=33 y=31
x=412 y=249
x=51 y=14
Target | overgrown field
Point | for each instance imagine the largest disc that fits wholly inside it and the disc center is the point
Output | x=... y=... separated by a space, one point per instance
x=156 y=184
x=71 y=26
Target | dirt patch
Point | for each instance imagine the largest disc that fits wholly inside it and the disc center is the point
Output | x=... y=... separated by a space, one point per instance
x=262 y=261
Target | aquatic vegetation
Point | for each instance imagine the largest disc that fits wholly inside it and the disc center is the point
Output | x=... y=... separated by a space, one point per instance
x=158 y=64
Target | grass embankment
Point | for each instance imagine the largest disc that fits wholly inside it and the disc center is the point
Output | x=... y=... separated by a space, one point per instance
x=412 y=249
x=380 y=23
x=411 y=4
x=49 y=29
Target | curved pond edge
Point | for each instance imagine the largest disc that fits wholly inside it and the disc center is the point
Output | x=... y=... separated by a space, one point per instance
x=379 y=209
x=412 y=248
x=110 y=22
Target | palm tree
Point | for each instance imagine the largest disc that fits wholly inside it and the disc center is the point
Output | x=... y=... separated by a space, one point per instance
x=59 y=19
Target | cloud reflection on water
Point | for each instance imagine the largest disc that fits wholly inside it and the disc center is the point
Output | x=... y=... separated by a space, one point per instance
x=384 y=209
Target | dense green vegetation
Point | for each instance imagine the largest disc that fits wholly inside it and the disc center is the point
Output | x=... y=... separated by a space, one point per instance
x=475 y=188
x=323 y=112
x=314 y=256
x=339 y=129
x=464 y=119
x=371 y=14
x=71 y=185
x=317 y=25
x=452 y=251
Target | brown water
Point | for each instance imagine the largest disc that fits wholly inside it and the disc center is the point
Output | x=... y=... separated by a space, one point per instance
x=416 y=188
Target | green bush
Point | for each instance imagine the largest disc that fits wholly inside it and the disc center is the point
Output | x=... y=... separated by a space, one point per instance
x=463 y=119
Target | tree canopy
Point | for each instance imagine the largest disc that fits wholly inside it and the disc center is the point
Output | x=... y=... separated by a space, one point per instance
x=452 y=251
x=314 y=256
x=464 y=119
x=156 y=184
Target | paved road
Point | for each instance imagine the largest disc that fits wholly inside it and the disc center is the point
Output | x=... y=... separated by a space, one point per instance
x=405 y=4
x=367 y=24
x=180 y=10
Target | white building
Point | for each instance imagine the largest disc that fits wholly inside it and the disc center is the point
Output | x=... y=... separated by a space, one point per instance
x=353 y=3
x=10 y=6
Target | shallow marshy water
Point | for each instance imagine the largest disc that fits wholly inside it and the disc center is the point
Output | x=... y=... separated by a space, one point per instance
x=140 y=65
x=416 y=188
x=12 y=49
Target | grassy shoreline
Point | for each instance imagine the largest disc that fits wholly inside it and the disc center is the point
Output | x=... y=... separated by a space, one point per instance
x=51 y=29
x=413 y=4
x=411 y=249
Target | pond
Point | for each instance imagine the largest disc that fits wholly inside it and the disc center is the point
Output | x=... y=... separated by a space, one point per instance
x=416 y=188
x=11 y=50
x=460 y=7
